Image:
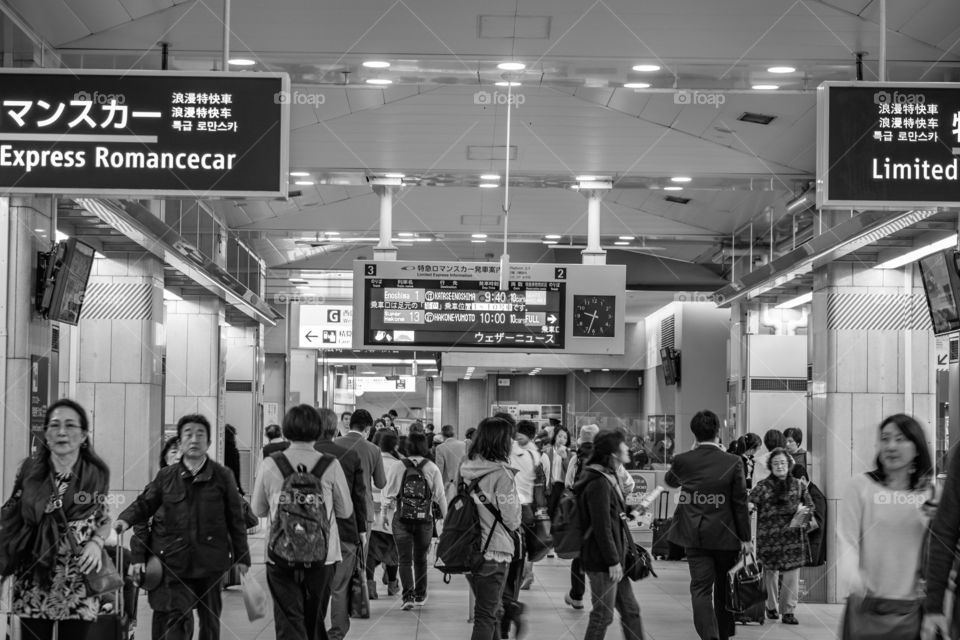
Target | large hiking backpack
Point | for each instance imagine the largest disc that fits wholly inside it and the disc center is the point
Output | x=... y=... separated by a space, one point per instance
x=414 y=504
x=301 y=528
x=461 y=546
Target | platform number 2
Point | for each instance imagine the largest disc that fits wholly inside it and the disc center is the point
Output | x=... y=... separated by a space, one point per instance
x=560 y=273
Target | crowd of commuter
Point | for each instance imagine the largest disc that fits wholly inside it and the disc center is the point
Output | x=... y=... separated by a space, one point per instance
x=350 y=493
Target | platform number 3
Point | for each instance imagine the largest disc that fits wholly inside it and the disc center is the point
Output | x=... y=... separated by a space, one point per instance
x=371 y=269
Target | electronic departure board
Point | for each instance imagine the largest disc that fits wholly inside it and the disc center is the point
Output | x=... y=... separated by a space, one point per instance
x=461 y=306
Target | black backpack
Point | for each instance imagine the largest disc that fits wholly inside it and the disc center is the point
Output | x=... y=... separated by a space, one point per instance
x=301 y=529
x=415 y=501
x=566 y=530
x=461 y=546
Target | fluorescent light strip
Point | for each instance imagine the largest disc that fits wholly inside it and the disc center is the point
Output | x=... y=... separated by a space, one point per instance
x=372 y=361
x=916 y=254
x=796 y=302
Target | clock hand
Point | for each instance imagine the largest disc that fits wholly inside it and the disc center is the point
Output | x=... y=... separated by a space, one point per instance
x=593 y=317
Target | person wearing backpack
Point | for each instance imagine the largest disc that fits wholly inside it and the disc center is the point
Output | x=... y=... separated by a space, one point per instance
x=604 y=550
x=487 y=464
x=578 y=579
x=302 y=490
x=409 y=496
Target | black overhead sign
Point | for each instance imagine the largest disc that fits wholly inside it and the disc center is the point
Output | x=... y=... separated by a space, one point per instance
x=888 y=145
x=143 y=133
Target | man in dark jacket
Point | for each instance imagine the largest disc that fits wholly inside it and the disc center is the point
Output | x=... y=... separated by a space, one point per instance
x=711 y=523
x=603 y=554
x=349 y=528
x=203 y=535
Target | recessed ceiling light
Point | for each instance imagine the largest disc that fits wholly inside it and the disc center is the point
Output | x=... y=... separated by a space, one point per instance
x=304 y=183
x=553 y=236
x=549 y=242
x=604 y=369
x=680 y=179
x=299 y=174
x=478 y=241
x=587 y=178
x=242 y=62
x=628 y=237
x=479 y=235
x=621 y=243
x=394 y=175
x=379 y=81
x=782 y=69
x=766 y=87
x=376 y=64
x=405 y=234
x=332 y=233
x=489 y=185
x=504 y=83
x=490 y=176
x=646 y=67
x=637 y=85
x=673 y=188
x=511 y=66
x=40 y=230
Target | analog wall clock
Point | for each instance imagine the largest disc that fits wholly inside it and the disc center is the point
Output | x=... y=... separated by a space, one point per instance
x=594 y=316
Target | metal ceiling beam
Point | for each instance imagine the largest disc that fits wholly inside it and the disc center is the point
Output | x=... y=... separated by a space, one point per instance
x=140 y=225
x=843 y=239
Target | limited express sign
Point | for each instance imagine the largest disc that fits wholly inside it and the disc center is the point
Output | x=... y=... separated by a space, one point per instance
x=138 y=133
x=888 y=145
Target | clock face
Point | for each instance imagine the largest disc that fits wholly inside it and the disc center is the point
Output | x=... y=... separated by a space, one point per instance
x=594 y=316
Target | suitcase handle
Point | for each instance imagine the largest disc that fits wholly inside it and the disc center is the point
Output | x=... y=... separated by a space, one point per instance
x=123 y=582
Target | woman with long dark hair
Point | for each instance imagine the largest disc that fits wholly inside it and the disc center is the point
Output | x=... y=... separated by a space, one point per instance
x=781 y=549
x=383 y=547
x=62 y=492
x=882 y=523
x=488 y=463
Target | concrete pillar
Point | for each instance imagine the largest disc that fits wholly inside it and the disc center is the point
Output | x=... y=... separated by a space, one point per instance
x=385 y=249
x=863 y=322
x=593 y=254
x=195 y=381
x=26 y=227
x=119 y=376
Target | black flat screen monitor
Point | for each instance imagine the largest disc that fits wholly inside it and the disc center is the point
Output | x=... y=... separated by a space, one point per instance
x=70 y=281
x=671 y=370
x=941 y=284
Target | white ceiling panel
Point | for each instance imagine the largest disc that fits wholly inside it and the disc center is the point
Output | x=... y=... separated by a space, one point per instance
x=140 y=8
x=52 y=19
x=100 y=15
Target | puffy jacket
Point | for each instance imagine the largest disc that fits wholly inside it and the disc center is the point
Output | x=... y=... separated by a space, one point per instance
x=600 y=511
x=201 y=531
x=498 y=484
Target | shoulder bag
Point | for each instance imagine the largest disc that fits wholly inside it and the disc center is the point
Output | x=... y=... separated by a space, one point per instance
x=872 y=618
x=105 y=580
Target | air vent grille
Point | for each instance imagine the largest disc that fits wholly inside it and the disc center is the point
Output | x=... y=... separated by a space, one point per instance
x=239 y=385
x=778 y=384
x=756 y=118
x=667 y=333
x=676 y=199
x=55 y=338
x=954 y=350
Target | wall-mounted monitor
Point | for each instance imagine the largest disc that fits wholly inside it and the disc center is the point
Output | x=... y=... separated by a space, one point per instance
x=670 y=359
x=941 y=282
x=64 y=282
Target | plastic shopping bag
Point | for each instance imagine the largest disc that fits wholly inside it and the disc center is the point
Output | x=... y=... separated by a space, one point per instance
x=254 y=598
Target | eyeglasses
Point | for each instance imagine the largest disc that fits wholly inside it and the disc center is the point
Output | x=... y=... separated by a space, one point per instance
x=68 y=427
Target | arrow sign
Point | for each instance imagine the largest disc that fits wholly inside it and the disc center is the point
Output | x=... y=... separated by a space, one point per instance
x=552 y=319
x=310 y=336
x=941 y=360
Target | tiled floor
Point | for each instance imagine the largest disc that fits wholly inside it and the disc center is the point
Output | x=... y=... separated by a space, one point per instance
x=664 y=601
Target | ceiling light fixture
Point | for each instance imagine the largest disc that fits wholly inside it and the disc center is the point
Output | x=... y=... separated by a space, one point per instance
x=621 y=243
x=549 y=242
x=376 y=64
x=488 y=185
x=672 y=188
x=490 y=176
x=478 y=241
x=646 y=67
x=766 y=87
x=331 y=233
x=922 y=252
x=511 y=66
x=406 y=234
x=504 y=83
x=299 y=174
x=242 y=62
x=553 y=236
x=394 y=175
x=782 y=69
x=304 y=183
x=628 y=238
x=379 y=81
x=680 y=179
x=796 y=302
x=480 y=236
x=636 y=85
x=587 y=178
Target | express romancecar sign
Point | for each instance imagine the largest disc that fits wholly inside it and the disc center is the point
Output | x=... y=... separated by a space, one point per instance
x=888 y=145
x=143 y=133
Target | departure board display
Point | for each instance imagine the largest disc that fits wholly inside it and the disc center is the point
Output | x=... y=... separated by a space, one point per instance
x=460 y=305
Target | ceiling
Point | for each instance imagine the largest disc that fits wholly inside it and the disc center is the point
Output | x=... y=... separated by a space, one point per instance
x=442 y=122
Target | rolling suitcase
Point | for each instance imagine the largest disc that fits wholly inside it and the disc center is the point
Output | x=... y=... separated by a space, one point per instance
x=661 y=547
x=118 y=610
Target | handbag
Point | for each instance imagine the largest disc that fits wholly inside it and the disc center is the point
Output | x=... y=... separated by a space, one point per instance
x=358 y=598
x=106 y=579
x=639 y=562
x=536 y=535
x=250 y=519
x=872 y=618
x=745 y=586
